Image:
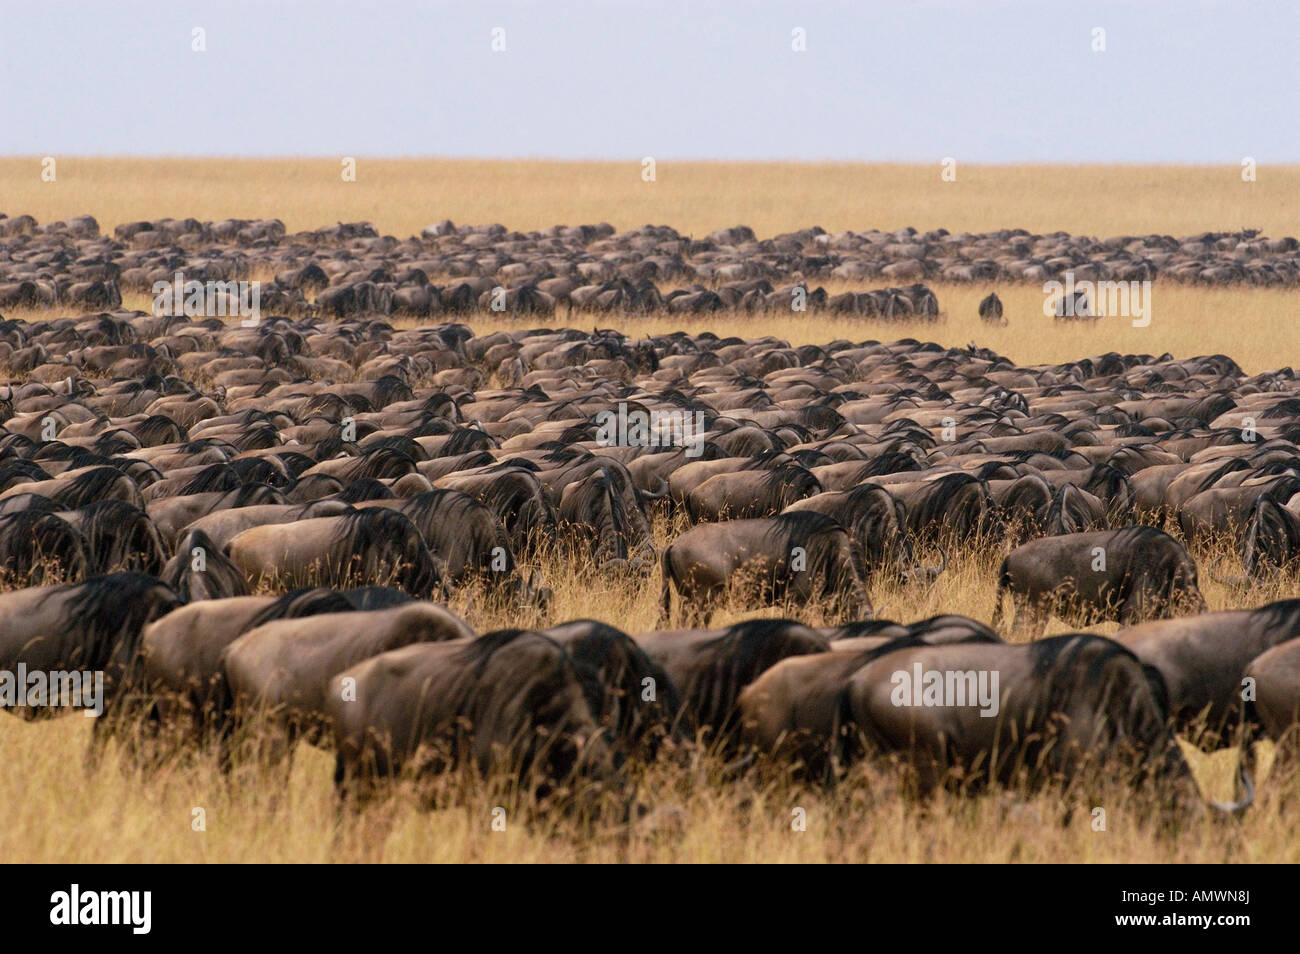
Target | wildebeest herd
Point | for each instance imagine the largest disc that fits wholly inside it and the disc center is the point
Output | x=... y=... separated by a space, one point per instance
x=349 y=269
x=260 y=527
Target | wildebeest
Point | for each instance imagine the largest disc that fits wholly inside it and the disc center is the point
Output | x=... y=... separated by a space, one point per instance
x=516 y=496
x=990 y=309
x=1130 y=575
x=1275 y=679
x=801 y=556
x=878 y=523
x=87 y=628
x=1271 y=541
x=638 y=703
x=511 y=700
x=280 y=671
x=37 y=546
x=470 y=543
x=1203 y=660
x=711 y=668
x=373 y=545
x=1065 y=710
x=201 y=571
x=793 y=712
x=750 y=493
x=182 y=652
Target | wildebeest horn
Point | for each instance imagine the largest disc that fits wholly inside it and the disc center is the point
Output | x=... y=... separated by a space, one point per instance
x=1247 y=798
x=943 y=561
x=929 y=572
x=732 y=769
x=655 y=495
x=1242 y=581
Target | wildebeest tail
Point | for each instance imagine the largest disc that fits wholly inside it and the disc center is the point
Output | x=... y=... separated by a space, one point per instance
x=666 y=591
x=1004 y=583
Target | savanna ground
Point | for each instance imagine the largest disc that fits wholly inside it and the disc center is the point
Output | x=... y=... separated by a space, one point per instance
x=58 y=809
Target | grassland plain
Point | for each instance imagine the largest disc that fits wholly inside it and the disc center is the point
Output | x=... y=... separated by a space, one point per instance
x=401 y=196
x=60 y=808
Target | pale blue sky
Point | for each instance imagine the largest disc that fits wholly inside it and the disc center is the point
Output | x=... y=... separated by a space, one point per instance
x=982 y=81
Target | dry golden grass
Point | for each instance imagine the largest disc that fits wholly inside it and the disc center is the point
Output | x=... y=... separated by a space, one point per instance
x=401 y=196
x=58 y=809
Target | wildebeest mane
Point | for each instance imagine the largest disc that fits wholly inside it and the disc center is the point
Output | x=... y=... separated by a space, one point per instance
x=298 y=604
x=27 y=536
x=1057 y=655
x=376 y=597
x=466 y=439
x=1281 y=616
x=106 y=614
x=118 y=533
x=367 y=488
x=213 y=477
x=88 y=487
x=742 y=653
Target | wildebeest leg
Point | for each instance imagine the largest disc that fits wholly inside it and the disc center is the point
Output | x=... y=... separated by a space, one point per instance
x=353 y=786
x=1286 y=764
x=1141 y=604
x=665 y=597
x=701 y=612
x=696 y=604
x=999 y=616
x=275 y=743
x=137 y=735
x=98 y=739
x=1031 y=615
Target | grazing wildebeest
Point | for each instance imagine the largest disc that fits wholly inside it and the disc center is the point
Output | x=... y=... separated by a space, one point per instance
x=1074 y=511
x=602 y=513
x=470 y=542
x=878 y=523
x=90 y=627
x=279 y=671
x=957 y=506
x=1075 y=306
x=182 y=651
x=711 y=667
x=750 y=493
x=1129 y=575
x=639 y=704
x=518 y=499
x=222 y=526
x=1276 y=706
x=1068 y=709
x=34 y=543
x=792 y=713
x=1271 y=542
x=84 y=485
x=990 y=309
x=511 y=700
x=171 y=514
x=201 y=571
x=1203 y=659
x=373 y=545
x=801 y=556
